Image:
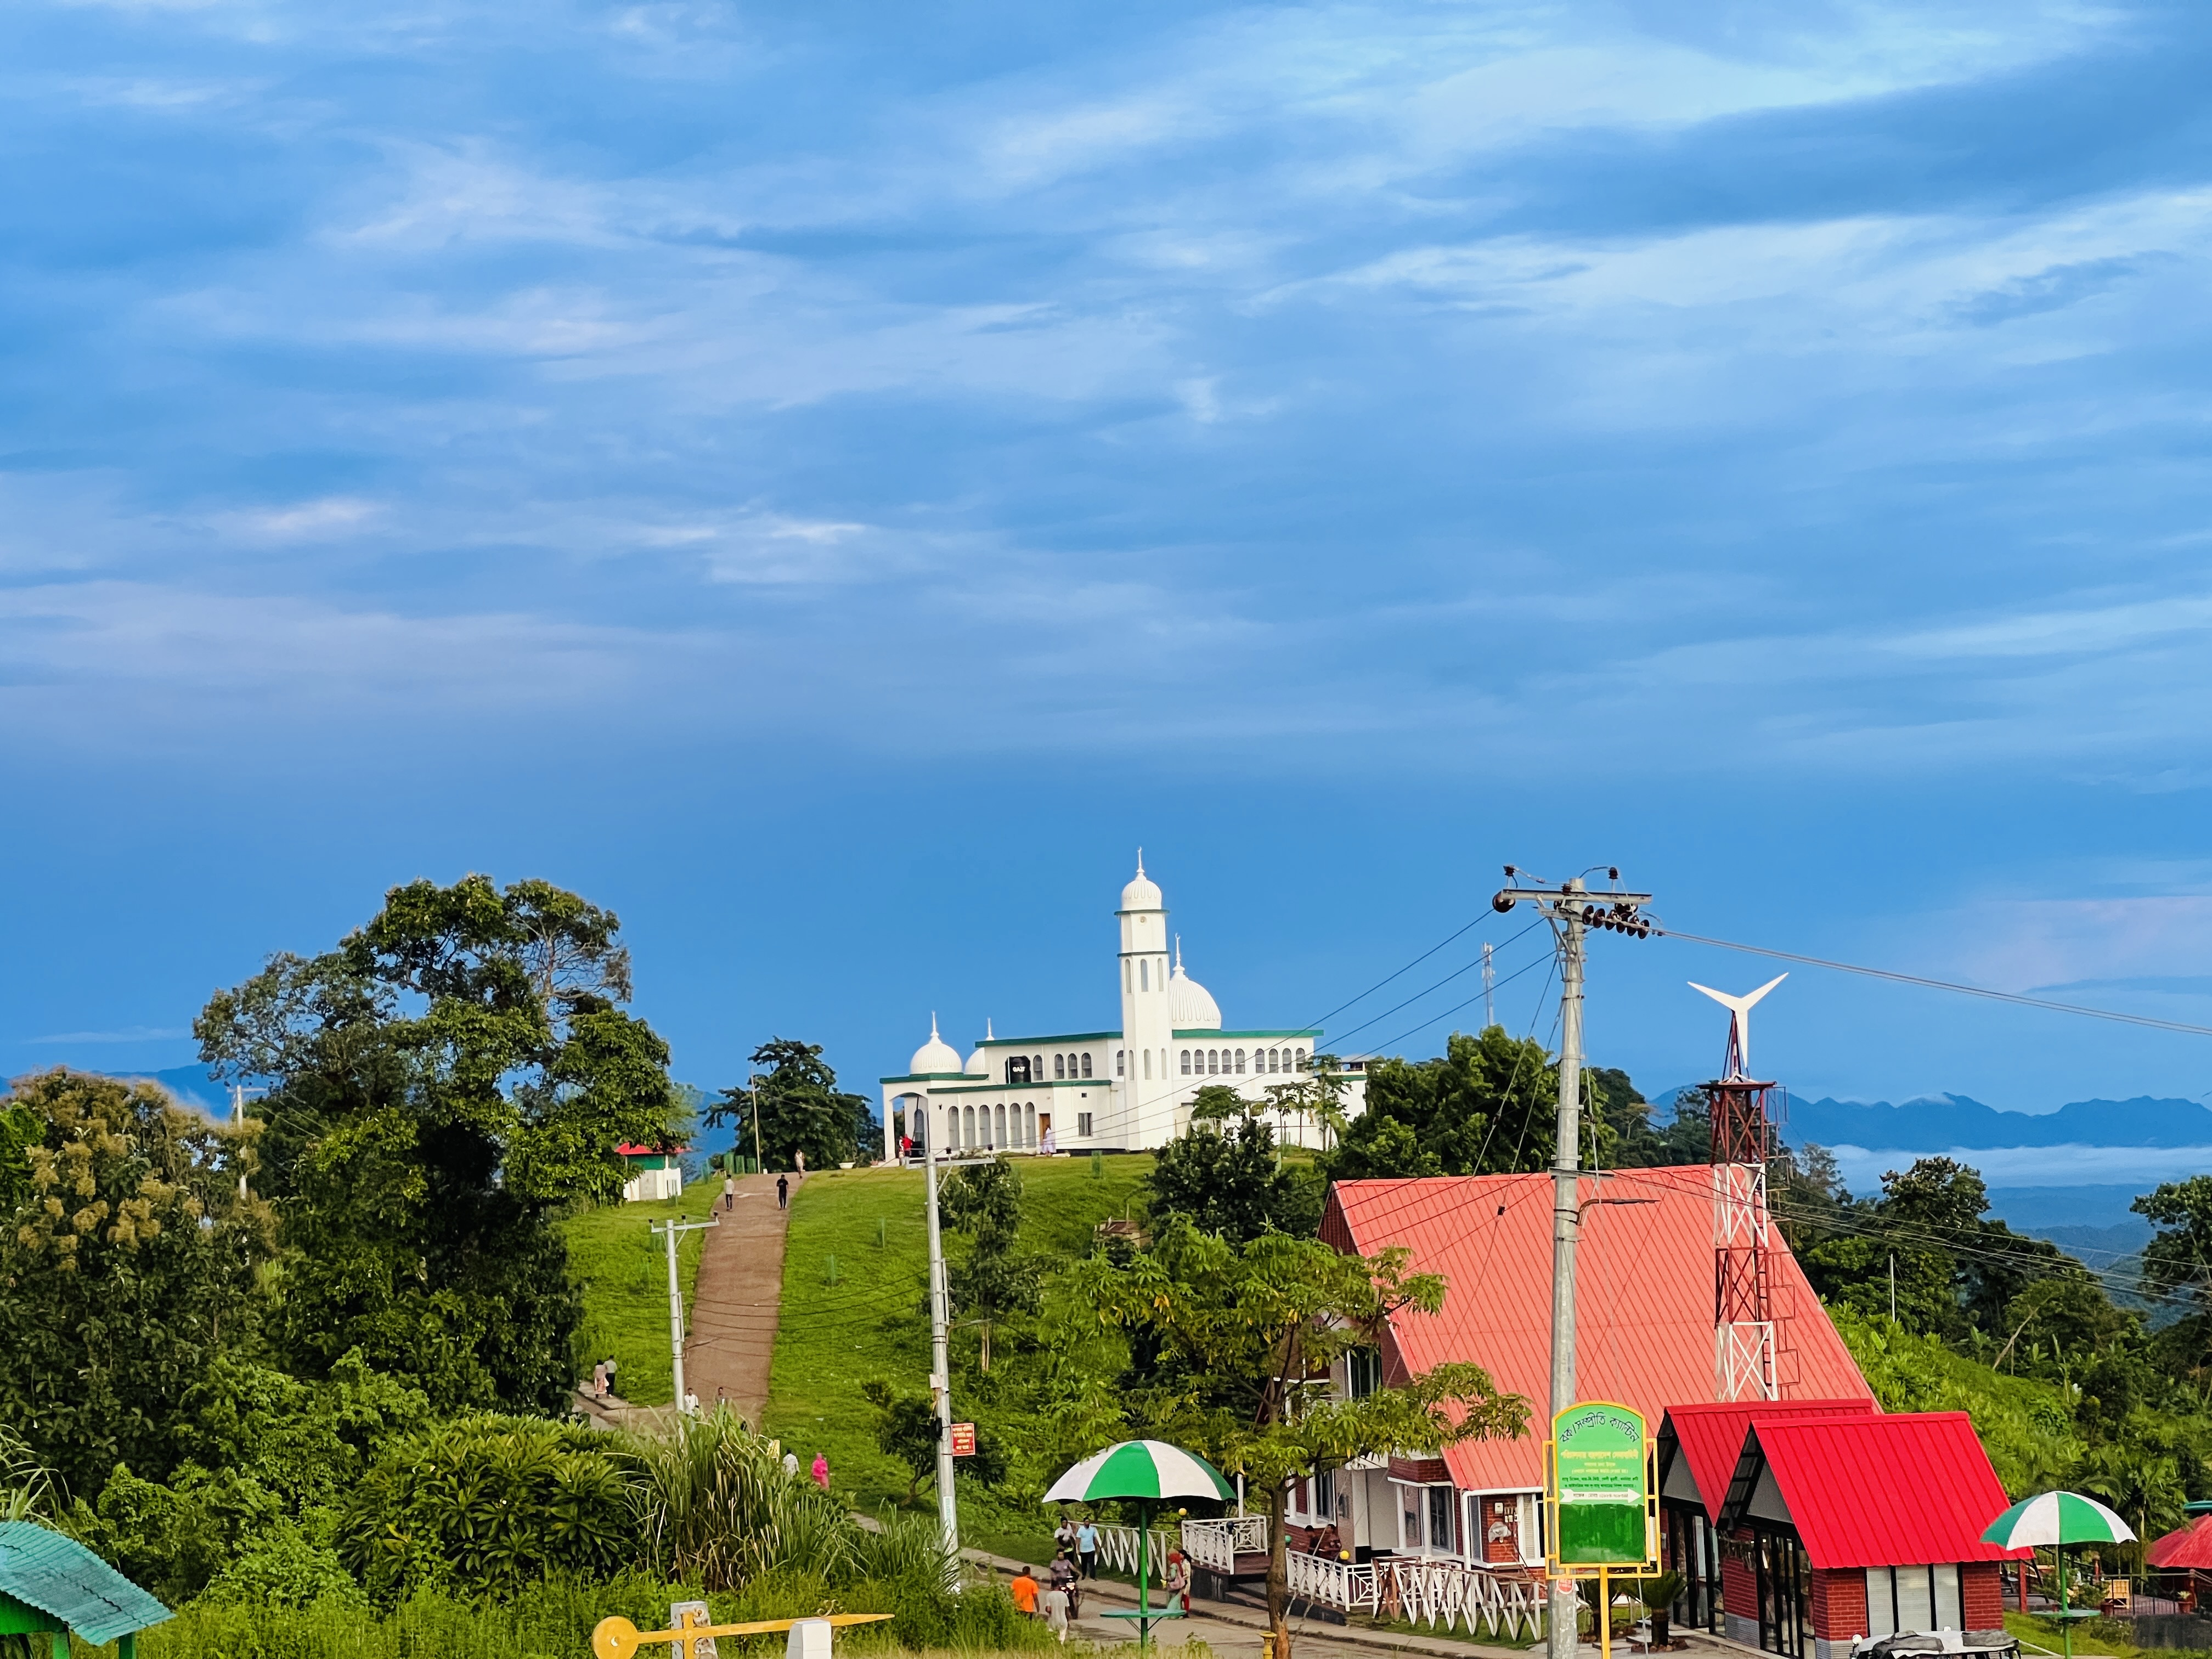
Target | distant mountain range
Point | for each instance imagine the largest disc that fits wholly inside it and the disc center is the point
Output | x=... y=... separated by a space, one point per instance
x=1936 y=1123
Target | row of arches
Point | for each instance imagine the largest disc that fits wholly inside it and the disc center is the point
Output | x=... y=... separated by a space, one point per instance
x=1029 y=1068
x=988 y=1128
x=1229 y=1062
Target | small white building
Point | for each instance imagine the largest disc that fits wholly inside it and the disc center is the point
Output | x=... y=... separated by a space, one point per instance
x=1124 y=1089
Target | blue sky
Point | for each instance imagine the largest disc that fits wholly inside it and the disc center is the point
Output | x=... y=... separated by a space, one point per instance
x=829 y=481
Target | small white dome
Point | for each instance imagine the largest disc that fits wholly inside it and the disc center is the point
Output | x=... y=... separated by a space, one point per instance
x=934 y=1055
x=979 y=1064
x=1191 y=1006
x=1143 y=893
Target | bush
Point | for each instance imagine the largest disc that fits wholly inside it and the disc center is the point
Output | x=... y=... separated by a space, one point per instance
x=717 y=1509
x=486 y=1505
x=172 y=1538
x=284 y=1567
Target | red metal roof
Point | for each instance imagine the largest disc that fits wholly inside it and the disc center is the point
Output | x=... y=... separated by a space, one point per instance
x=1644 y=1307
x=1895 y=1490
x=1709 y=1436
x=627 y=1150
x=2190 y=1547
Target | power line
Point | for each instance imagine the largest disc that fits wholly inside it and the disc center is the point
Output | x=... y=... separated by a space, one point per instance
x=1939 y=984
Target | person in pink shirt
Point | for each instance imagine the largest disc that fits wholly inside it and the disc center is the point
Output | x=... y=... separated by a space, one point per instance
x=821 y=1471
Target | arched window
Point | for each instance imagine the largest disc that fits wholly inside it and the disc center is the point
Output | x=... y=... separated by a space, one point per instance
x=1302 y=1059
x=1001 y=1140
x=1036 y=1069
x=1186 y=1062
x=966 y=1114
x=1029 y=1125
x=1274 y=1060
x=1060 y=1066
x=1018 y=1069
x=1087 y=1063
x=1143 y=976
x=1240 y=1067
x=1121 y=1056
x=1125 y=974
x=1148 y=1065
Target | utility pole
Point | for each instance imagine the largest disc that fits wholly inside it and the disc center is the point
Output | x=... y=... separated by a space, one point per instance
x=1892 y=1287
x=940 y=1367
x=676 y=1295
x=1572 y=909
x=760 y=1165
x=1489 y=989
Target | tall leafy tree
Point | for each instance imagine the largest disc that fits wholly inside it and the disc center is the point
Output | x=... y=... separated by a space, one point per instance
x=1488 y=1104
x=127 y=1266
x=801 y=1110
x=994 y=1278
x=2179 y=1258
x=441 y=1086
x=1243 y=1338
x=1224 y=1174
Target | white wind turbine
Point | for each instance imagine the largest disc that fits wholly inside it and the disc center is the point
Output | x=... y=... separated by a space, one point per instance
x=1739 y=1048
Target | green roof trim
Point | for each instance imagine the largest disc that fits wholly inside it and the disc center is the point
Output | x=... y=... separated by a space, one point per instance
x=921 y=1076
x=62 y=1578
x=1031 y=1042
x=1197 y=1032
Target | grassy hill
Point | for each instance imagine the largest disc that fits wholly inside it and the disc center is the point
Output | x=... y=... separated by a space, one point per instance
x=854 y=1285
x=624 y=1272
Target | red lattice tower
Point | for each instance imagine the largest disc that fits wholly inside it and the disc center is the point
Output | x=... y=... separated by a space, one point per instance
x=1742 y=1140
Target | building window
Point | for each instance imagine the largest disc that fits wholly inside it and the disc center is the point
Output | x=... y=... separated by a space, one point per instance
x=1240 y=1062
x=1186 y=1062
x=1363 y=1373
x=968 y=1128
x=1442 y=1531
x=1148 y=1065
x=1029 y=1125
x=1121 y=1056
x=1913 y=1599
x=1036 y=1068
x=1409 y=1517
x=1000 y=1139
x=1301 y=1059
x=1086 y=1064
x=1083 y=1125
x=1324 y=1496
x=1125 y=974
x=1143 y=976
x=1060 y=1066
x=1018 y=1069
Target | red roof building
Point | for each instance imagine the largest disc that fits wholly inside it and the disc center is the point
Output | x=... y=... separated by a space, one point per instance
x=1644 y=1335
x=1867 y=1524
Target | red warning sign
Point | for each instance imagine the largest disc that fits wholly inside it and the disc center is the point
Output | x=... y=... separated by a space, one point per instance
x=964 y=1439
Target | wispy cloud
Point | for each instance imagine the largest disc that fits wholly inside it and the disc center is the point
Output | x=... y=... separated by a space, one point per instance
x=128 y=1034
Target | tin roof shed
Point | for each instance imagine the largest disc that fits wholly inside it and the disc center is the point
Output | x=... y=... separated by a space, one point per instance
x=50 y=1584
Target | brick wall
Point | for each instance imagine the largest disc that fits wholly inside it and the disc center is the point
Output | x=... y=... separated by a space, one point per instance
x=1740 y=1584
x=1982 y=1592
x=1839 y=1603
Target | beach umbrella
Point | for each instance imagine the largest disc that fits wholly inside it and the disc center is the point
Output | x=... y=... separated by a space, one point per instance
x=2054 y=1520
x=1145 y=1471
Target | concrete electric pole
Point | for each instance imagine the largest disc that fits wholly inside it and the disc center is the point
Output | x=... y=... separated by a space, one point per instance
x=676 y=1296
x=1572 y=909
x=940 y=1348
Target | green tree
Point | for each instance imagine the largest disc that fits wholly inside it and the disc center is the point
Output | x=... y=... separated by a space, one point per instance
x=994 y=1279
x=2179 y=1258
x=126 y=1268
x=1246 y=1336
x=1488 y=1105
x=801 y=1110
x=907 y=1428
x=441 y=1086
x=1228 y=1180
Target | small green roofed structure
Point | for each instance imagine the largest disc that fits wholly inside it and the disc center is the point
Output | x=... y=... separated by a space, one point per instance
x=50 y=1584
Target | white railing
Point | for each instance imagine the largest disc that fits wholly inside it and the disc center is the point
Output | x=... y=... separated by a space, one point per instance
x=1215 y=1545
x=1118 y=1545
x=1421 y=1592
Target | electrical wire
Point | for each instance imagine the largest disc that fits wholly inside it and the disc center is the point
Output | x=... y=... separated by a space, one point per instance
x=2044 y=1003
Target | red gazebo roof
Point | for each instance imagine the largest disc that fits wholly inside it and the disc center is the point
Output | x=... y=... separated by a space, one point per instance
x=2186 y=1546
x=628 y=1150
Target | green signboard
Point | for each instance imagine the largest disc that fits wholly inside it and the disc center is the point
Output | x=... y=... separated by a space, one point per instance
x=1601 y=1486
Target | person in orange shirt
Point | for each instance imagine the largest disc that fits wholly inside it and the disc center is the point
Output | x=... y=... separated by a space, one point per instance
x=1024 y=1588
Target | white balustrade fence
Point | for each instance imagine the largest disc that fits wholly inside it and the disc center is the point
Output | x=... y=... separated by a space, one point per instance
x=1421 y=1592
x=1117 y=1545
x=1215 y=1545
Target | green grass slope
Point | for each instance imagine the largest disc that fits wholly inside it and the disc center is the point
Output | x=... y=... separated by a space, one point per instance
x=624 y=1272
x=855 y=1273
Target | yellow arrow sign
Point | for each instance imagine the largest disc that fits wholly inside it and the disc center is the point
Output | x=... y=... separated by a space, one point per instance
x=615 y=1637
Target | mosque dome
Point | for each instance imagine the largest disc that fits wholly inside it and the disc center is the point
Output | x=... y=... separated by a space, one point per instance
x=1191 y=1006
x=979 y=1064
x=934 y=1055
x=1143 y=893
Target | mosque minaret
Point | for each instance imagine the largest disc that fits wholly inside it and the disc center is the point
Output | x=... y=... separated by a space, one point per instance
x=1126 y=1089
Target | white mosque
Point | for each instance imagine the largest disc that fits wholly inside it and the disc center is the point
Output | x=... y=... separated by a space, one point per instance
x=1126 y=1089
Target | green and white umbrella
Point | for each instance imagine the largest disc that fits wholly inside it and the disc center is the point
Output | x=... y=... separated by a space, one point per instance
x=1141 y=1469
x=2053 y=1519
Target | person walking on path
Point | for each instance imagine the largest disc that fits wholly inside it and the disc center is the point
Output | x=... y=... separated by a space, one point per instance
x=783 y=1192
x=1063 y=1536
x=729 y=1191
x=1178 y=1579
x=791 y=1465
x=1024 y=1590
x=611 y=1377
x=1054 y=1602
x=799 y=1157
x=1086 y=1548
x=1062 y=1578
x=821 y=1471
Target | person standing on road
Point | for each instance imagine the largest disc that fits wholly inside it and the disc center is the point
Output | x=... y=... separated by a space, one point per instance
x=729 y=1190
x=821 y=1471
x=1086 y=1548
x=1063 y=1536
x=1024 y=1590
x=1178 y=1579
x=610 y=1375
x=783 y=1192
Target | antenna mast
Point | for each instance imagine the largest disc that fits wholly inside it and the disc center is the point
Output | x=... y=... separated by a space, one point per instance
x=1742 y=1141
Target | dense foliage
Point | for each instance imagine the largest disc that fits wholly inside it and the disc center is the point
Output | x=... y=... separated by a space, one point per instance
x=799 y=1108
x=439 y=1087
x=1226 y=1175
x=994 y=1279
x=128 y=1263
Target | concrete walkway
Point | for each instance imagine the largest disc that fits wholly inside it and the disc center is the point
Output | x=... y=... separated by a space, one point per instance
x=731 y=1343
